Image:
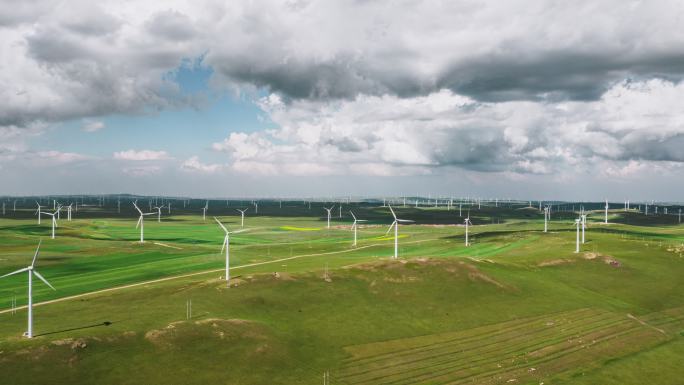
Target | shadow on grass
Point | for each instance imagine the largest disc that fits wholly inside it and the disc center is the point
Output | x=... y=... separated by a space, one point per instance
x=105 y=323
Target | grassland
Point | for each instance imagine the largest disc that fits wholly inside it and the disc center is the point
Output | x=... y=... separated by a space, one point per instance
x=517 y=306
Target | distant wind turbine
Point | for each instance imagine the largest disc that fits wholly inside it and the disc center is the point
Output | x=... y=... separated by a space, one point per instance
x=31 y=272
x=396 y=231
x=141 y=222
x=159 y=209
x=37 y=211
x=242 y=216
x=204 y=211
x=467 y=223
x=578 y=223
x=328 y=210
x=605 y=219
x=54 y=221
x=546 y=218
x=226 y=246
x=355 y=225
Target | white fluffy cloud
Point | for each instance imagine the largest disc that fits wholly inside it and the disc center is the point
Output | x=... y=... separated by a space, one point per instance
x=142 y=155
x=384 y=135
x=93 y=125
x=522 y=87
x=193 y=164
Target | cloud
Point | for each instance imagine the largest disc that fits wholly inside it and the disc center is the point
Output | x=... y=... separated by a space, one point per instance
x=142 y=155
x=389 y=135
x=93 y=126
x=81 y=59
x=141 y=171
x=193 y=164
x=59 y=158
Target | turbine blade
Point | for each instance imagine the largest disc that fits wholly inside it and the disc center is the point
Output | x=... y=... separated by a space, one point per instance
x=36 y=254
x=139 y=220
x=405 y=220
x=352 y=214
x=15 y=272
x=221 y=224
x=394 y=215
x=37 y=274
x=390 y=228
x=225 y=240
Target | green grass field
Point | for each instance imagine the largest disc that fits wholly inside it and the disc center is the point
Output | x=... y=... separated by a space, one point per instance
x=518 y=306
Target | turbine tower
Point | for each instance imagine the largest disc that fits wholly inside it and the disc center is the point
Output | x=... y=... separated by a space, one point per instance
x=141 y=222
x=467 y=223
x=546 y=219
x=396 y=230
x=605 y=219
x=328 y=210
x=578 y=223
x=31 y=272
x=355 y=225
x=584 y=225
x=226 y=246
x=54 y=221
x=242 y=216
x=159 y=208
x=37 y=211
x=204 y=211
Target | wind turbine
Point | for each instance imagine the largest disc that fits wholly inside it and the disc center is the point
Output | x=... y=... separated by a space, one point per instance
x=159 y=208
x=204 y=211
x=396 y=231
x=37 y=211
x=141 y=222
x=578 y=223
x=54 y=221
x=31 y=272
x=328 y=210
x=69 y=212
x=256 y=207
x=226 y=245
x=355 y=225
x=467 y=222
x=605 y=220
x=546 y=218
x=242 y=216
x=584 y=225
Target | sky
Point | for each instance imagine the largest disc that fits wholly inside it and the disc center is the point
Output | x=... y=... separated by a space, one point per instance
x=516 y=99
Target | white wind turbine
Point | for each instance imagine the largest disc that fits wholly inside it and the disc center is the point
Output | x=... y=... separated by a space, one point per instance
x=141 y=222
x=37 y=211
x=204 y=211
x=578 y=223
x=159 y=209
x=546 y=218
x=328 y=210
x=605 y=220
x=54 y=221
x=355 y=225
x=396 y=231
x=467 y=223
x=584 y=225
x=31 y=272
x=256 y=207
x=226 y=246
x=242 y=216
